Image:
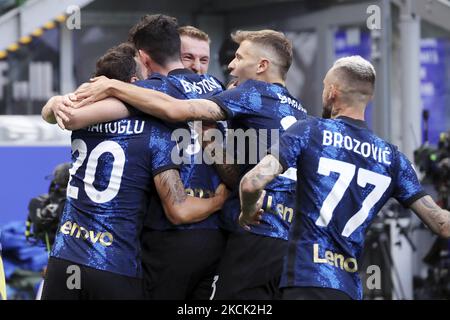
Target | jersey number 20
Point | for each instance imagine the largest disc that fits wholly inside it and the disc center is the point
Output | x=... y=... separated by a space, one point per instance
x=91 y=167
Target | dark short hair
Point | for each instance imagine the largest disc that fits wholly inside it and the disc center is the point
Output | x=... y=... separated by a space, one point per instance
x=157 y=35
x=125 y=48
x=118 y=63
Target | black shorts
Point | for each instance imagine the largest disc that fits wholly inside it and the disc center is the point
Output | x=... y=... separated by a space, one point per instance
x=251 y=268
x=93 y=284
x=311 y=293
x=181 y=264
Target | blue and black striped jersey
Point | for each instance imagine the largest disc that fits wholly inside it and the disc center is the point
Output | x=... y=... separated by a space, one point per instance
x=345 y=176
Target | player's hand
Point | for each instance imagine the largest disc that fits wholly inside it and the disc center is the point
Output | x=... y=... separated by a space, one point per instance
x=95 y=90
x=62 y=109
x=232 y=84
x=252 y=215
x=222 y=192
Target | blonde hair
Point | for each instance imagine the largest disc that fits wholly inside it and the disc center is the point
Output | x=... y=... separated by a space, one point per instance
x=358 y=68
x=193 y=32
x=357 y=77
x=276 y=41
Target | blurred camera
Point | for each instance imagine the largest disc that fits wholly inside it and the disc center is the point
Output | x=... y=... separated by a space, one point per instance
x=44 y=211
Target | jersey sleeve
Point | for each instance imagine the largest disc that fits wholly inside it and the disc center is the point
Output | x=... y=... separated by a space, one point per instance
x=408 y=188
x=135 y=112
x=217 y=81
x=155 y=84
x=291 y=144
x=161 y=146
x=241 y=101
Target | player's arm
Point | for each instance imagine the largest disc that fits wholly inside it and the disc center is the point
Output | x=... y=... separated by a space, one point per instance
x=251 y=189
x=436 y=218
x=47 y=112
x=229 y=173
x=56 y=108
x=181 y=208
x=282 y=156
x=62 y=110
x=150 y=101
x=106 y=110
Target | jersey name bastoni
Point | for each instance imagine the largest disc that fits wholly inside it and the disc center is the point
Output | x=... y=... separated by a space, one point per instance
x=201 y=87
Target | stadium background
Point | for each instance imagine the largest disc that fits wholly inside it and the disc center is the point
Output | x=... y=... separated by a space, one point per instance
x=40 y=57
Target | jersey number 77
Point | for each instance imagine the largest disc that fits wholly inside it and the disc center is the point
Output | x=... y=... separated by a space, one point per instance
x=346 y=173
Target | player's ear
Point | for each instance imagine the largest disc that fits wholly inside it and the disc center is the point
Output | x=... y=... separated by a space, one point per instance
x=263 y=65
x=145 y=59
x=333 y=93
x=134 y=79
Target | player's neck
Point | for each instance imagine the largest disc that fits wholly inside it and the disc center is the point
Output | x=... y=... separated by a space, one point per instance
x=271 y=75
x=164 y=70
x=350 y=112
x=272 y=79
